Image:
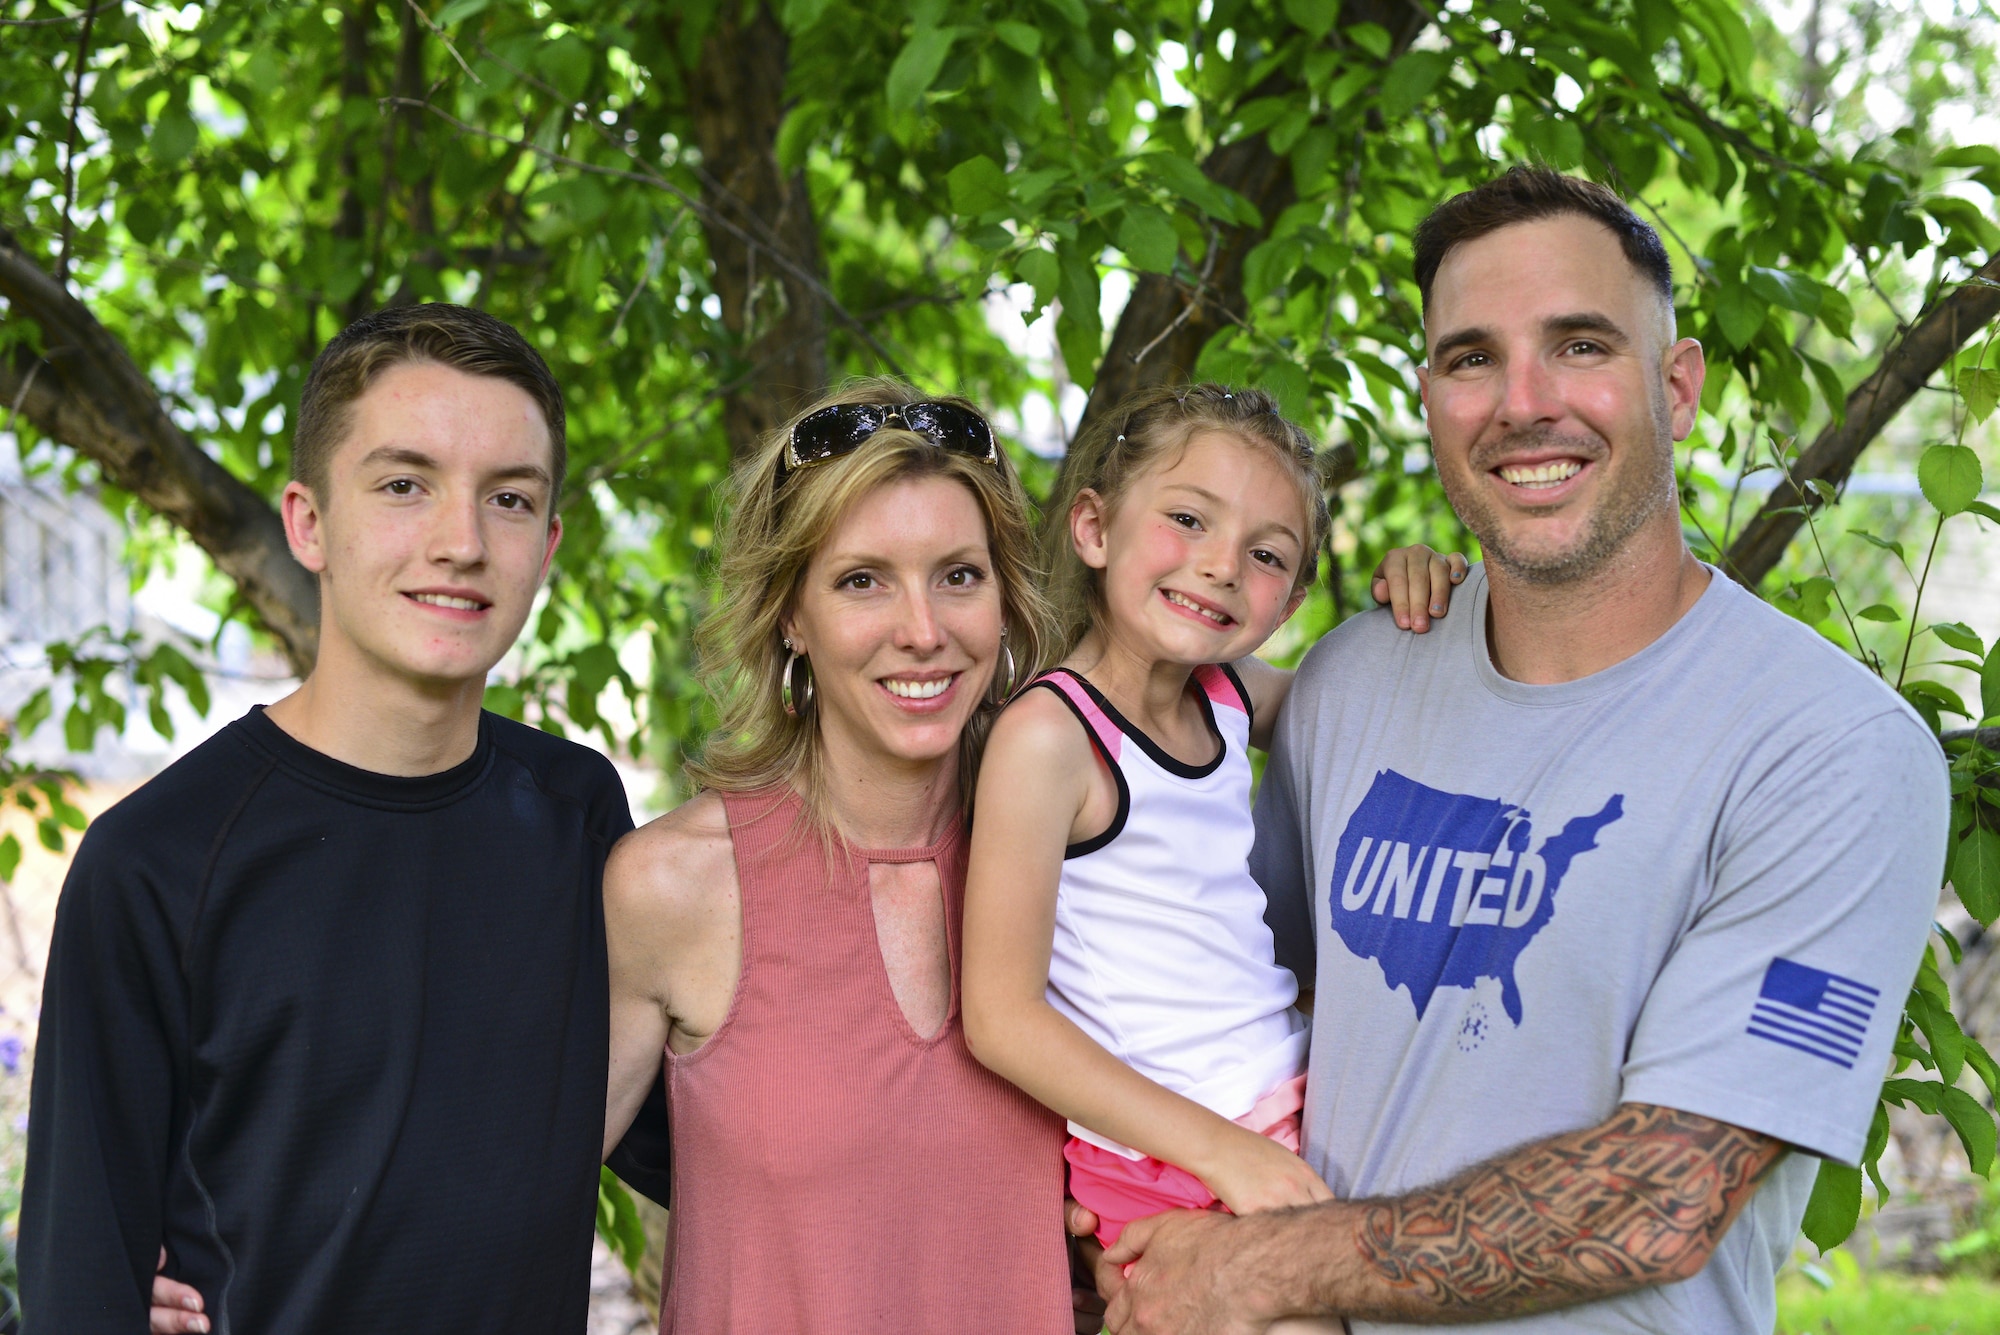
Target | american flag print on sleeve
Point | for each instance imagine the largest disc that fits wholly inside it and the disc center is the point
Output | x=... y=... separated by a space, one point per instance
x=1813 y=1011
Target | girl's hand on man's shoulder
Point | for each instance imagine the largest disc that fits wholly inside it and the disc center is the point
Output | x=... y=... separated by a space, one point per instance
x=1416 y=584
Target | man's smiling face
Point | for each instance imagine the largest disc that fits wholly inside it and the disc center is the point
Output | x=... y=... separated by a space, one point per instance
x=1555 y=391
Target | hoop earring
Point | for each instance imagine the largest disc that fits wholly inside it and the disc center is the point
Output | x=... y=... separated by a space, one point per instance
x=1006 y=692
x=796 y=700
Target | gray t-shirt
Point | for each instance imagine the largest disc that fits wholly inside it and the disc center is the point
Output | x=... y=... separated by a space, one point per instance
x=1700 y=879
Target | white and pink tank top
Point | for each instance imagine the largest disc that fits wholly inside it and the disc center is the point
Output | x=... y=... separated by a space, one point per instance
x=1161 y=951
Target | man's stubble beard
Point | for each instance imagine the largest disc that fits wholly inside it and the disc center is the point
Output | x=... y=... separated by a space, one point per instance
x=1626 y=504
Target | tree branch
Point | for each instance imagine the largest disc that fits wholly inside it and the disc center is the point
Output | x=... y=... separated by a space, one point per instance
x=1164 y=327
x=85 y=391
x=1910 y=361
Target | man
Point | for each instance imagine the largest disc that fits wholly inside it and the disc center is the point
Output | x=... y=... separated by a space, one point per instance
x=325 y=1010
x=1617 y=878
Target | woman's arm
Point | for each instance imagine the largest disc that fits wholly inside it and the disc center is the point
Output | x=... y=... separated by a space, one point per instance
x=1033 y=782
x=673 y=931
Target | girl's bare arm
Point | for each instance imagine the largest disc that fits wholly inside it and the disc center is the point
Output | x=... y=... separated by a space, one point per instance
x=1033 y=783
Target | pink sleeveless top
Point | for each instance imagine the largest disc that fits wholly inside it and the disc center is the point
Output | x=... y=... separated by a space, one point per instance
x=834 y=1172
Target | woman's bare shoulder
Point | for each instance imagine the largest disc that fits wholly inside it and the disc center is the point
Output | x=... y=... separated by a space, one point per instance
x=674 y=869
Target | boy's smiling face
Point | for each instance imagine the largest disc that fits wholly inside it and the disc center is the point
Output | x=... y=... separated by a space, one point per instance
x=435 y=530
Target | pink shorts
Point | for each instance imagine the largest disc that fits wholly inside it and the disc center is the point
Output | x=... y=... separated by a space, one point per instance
x=1118 y=1190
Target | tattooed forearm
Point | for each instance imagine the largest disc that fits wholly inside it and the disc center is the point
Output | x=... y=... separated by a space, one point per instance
x=1641 y=1199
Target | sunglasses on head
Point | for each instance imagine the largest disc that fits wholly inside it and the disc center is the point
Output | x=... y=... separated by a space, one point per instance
x=824 y=436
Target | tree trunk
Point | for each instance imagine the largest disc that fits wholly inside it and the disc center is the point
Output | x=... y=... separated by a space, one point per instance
x=1910 y=361
x=85 y=391
x=1148 y=347
x=777 y=319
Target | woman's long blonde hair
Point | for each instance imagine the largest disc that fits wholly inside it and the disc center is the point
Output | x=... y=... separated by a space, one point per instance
x=770 y=537
x=1146 y=428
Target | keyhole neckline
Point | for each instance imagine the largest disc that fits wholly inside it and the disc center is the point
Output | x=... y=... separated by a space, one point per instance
x=925 y=853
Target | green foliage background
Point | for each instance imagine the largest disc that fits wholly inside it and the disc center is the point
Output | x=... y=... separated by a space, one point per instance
x=227 y=185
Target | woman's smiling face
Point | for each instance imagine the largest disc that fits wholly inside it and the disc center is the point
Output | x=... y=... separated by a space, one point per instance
x=900 y=615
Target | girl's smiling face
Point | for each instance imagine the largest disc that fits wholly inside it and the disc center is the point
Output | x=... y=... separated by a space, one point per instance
x=1200 y=556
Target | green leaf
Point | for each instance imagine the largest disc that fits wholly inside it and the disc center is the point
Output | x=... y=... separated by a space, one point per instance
x=802 y=125
x=174 y=135
x=1980 y=1060
x=1791 y=291
x=1021 y=36
x=10 y=857
x=32 y=714
x=1879 y=612
x=1147 y=237
x=1950 y=477
x=1979 y=386
x=1739 y=313
x=1039 y=268
x=1975 y=873
x=1960 y=637
x=618 y=1221
x=459 y=10
x=1289 y=384
x=1941 y=1032
x=916 y=67
x=977 y=185
x=1940 y=696
x=1080 y=329
x=1815 y=596
x=1835 y=1206
x=1920 y=1094
x=1989 y=685
x=1185 y=179
x=1984 y=511
x=1975 y=1127
x=1896 y=548
x=1315 y=16
x=1409 y=81
x=1310 y=157
x=506 y=701
x=1372 y=38
x=1871 y=1152
x=566 y=63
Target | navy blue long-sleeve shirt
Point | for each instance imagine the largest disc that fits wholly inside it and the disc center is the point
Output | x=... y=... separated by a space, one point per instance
x=338 y=1039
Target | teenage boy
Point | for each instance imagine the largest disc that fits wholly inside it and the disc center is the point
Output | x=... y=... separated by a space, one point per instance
x=325 y=1011
x=1616 y=882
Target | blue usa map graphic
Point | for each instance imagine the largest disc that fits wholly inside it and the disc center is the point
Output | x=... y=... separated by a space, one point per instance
x=1443 y=889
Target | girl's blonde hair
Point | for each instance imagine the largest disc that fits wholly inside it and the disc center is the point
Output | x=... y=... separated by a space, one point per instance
x=1145 y=430
x=771 y=536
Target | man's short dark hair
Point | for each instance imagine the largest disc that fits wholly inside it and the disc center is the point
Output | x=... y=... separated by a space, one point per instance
x=1528 y=194
x=456 y=336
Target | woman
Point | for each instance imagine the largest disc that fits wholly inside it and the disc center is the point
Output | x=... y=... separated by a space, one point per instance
x=789 y=938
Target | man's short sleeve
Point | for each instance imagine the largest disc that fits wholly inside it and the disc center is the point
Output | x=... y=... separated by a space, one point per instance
x=1777 y=1008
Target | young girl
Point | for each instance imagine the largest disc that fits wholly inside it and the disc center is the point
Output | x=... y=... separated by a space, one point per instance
x=1117 y=963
